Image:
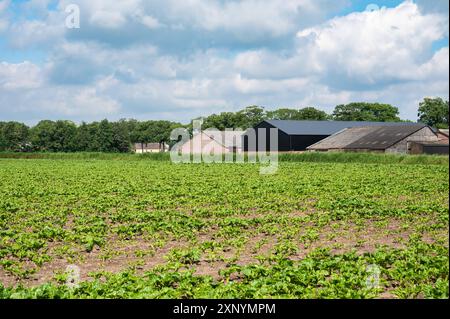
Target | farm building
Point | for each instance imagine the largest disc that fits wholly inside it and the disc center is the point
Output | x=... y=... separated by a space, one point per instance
x=150 y=147
x=428 y=148
x=443 y=136
x=207 y=141
x=389 y=139
x=298 y=135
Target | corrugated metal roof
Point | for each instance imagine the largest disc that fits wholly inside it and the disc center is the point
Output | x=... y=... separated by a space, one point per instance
x=342 y=138
x=384 y=137
x=444 y=131
x=325 y=127
x=367 y=137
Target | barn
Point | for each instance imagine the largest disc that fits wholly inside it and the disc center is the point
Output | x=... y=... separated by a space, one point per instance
x=429 y=148
x=298 y=135
x=387 y=139
x=140 y=148
x=443 y=136
x=219 y=142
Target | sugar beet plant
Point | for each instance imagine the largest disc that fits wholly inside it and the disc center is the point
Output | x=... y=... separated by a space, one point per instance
x=153 y=229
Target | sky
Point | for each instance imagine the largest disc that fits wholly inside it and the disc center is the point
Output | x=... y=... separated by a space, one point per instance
x=177 y=60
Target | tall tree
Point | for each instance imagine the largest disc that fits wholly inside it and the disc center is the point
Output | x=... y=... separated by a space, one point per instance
x=311 y=113
x=283 y=114
x=250 y=116
x=222 y=121
x=434 y=112
x=361 y=111
x=307 y=113
x=84 y=138
x=153 y=131
x=13 y=136
x=104 y=137
x=52 y=136
x=121 y=137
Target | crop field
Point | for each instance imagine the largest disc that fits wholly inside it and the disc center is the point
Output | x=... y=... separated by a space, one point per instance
x=153 y=229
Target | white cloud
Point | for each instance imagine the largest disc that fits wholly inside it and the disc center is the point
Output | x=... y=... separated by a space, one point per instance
x=35 y=33
x=19 y=76
x=372 y=47
x=181 y=59
x=106 y=19
x=361 y=51
x=104 y=13
x=150 y=22
x=86 y=101
x=275 y=18
x=437 y=68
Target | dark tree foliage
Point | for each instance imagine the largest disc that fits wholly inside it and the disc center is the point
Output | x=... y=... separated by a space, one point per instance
x=13 y=136
x=252 y=115
x=307 y=113
x=50 y=136
x=153 y=131
x=434 y=112
x=362 y=111
x=66 y=136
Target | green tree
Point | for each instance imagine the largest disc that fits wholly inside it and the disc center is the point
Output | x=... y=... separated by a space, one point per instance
x=121 y=137
x=250 y=116
x=104 y=138
x=434 y=112
x=13 y=136
x=153 y=131
x=84 y=138
x=361 y=111
x=131 y=125
x=307 y=113
x=222 y=121
x=52 y=136
x=311 y=113
x=283 y=114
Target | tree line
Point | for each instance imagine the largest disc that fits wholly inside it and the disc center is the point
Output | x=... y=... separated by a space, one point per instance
x=119 y=136
x=66 y=136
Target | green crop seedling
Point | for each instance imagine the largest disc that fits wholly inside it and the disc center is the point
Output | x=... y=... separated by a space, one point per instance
x=153 y=229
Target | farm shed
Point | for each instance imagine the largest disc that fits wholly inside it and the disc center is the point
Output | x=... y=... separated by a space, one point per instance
x=206 y=141
x=389 y=139
x=428 y=148
x=341 y=139
x=298 y=135
x=150 y=147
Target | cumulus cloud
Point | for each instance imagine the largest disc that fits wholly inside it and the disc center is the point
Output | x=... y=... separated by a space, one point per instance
x=40 y=101
x=373 y=48
x=198 y=24
x=19 y=76
x=181 y=59
x=34 y=33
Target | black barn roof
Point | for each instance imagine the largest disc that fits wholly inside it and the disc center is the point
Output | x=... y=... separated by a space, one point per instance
x=384 y=137
x=291 y=127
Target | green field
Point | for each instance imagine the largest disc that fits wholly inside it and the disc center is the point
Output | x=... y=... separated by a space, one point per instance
x=153 y=229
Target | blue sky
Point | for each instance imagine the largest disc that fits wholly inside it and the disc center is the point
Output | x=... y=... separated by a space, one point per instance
x=168 y=59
